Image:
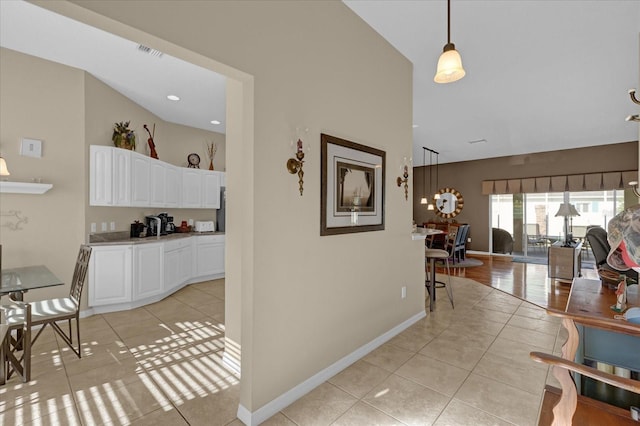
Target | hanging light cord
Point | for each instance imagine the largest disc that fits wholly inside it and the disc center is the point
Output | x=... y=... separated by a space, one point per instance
x=448 y=21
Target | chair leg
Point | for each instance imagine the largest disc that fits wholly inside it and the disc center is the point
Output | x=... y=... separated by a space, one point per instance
x=67 y=339
x=448 y=286
x=3 y=360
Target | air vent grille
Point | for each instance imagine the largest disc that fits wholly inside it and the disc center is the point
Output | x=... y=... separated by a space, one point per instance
x=150 y=51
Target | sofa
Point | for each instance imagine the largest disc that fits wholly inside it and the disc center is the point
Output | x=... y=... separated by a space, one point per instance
x=502 y=241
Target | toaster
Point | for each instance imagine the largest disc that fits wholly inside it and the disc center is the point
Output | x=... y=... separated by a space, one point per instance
x=204 y=226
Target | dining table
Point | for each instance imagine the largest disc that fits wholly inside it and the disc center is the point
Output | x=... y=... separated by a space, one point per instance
x=17 y=281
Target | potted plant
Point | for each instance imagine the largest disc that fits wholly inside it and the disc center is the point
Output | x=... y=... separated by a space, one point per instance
x=123 y=137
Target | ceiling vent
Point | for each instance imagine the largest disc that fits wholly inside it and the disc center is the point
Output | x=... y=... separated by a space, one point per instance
x=148 y=50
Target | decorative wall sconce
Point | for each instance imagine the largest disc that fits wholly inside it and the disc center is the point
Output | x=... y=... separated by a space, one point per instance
x=294 y=165
x=634 y=187
x=405 y=178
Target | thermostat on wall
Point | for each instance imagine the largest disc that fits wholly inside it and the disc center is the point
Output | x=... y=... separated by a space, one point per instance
x=31 y=148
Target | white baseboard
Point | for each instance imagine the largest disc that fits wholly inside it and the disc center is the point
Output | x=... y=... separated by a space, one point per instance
x=263 y=413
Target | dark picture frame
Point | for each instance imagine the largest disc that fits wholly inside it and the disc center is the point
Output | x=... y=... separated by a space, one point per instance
x=352 y=187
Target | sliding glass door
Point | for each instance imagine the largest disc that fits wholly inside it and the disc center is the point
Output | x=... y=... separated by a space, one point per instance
x=531 y=219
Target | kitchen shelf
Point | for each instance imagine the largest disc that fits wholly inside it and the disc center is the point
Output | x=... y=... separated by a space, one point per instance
x=24 y=187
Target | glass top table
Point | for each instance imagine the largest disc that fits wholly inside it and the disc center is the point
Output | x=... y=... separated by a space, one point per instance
x=16 y=281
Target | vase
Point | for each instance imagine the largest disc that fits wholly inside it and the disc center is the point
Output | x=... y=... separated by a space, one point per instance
x=211 y=164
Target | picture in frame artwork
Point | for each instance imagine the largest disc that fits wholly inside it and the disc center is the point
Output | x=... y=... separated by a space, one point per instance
x=352 y=187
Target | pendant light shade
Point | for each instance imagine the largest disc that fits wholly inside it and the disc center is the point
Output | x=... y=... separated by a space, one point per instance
x=3 y=168
x=450 y=63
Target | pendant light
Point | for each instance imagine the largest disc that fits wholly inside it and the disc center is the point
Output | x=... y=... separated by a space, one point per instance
x=436 y=196
x=430 y=206
x=450 y=63
x=423 y=200
x=4 y=171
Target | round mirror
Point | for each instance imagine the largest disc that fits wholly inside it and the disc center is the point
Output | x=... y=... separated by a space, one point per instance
x=449 y=204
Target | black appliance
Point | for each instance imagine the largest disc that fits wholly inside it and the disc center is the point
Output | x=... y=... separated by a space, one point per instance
x=171 y=227
x=156 y=225
x=220 y=214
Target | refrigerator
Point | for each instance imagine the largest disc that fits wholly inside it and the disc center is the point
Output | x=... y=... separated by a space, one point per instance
x=220 y=214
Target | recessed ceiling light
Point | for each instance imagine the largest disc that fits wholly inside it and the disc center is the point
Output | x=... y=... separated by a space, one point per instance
x=173 y=98
x=415 y=126
x=215 y=122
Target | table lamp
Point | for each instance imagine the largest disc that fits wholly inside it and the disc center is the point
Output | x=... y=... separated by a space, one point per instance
x=567 y=210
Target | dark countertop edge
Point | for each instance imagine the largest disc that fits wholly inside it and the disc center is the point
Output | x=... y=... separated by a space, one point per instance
x=147 y=240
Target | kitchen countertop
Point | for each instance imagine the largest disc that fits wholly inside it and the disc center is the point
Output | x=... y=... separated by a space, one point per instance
x=119 y=238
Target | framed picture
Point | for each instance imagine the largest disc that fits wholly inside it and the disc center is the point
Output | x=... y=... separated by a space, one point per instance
x=352 y=187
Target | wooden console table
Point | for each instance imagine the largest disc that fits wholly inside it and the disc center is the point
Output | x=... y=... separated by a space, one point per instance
x=613 y=341
x=565 y=262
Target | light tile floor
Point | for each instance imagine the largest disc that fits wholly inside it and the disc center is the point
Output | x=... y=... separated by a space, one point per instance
x=162 y=365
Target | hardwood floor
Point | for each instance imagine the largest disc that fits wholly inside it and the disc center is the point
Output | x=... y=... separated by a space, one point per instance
x=524 y=280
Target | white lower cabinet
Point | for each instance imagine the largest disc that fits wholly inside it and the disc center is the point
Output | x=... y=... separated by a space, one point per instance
x=130 y=275
x=177 y=263
x=209 y=255
x=110 y=275
x=148 y=270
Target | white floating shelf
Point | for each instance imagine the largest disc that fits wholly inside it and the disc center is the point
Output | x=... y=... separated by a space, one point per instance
x=24 y=187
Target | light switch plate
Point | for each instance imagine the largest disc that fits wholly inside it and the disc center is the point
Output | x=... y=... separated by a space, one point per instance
x=31 y=148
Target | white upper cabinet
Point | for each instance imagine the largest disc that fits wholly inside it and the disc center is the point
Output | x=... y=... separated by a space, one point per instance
x=173 y=186
x=200 y=189
x=119 y=177
x=110 y=176
x=140 y=180
x=100 y=176
x=211 y=190
x=192 y=188
x=157 y=184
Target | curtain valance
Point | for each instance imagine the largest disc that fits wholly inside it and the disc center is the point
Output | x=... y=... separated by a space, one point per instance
x=603 y=181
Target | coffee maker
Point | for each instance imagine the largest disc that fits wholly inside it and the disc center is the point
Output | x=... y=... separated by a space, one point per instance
x=156 y=226
x=170 y=227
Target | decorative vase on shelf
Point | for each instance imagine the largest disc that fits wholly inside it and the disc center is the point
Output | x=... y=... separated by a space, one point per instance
x=123 y=137
x=211 y=164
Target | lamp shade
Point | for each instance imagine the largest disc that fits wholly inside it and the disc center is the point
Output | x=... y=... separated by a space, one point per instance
x=449 y=65
x=423 y=200
x=3 y=168
x=567 y=210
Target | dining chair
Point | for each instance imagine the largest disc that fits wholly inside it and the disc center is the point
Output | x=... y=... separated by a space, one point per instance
x=15 y=353
x=429 y=239
x=450 y=241
x=52 y=311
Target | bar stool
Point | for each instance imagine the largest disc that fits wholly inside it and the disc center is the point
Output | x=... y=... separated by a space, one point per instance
x=431 y=255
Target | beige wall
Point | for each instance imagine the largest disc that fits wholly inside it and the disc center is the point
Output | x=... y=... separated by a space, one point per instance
x=43 y=100
x=307 y=301
x=467 y=178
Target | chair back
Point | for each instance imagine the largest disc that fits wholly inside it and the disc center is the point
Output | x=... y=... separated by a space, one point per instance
x=533 y=229
x=452 y=236
x=597 y=238
x=80 y=273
